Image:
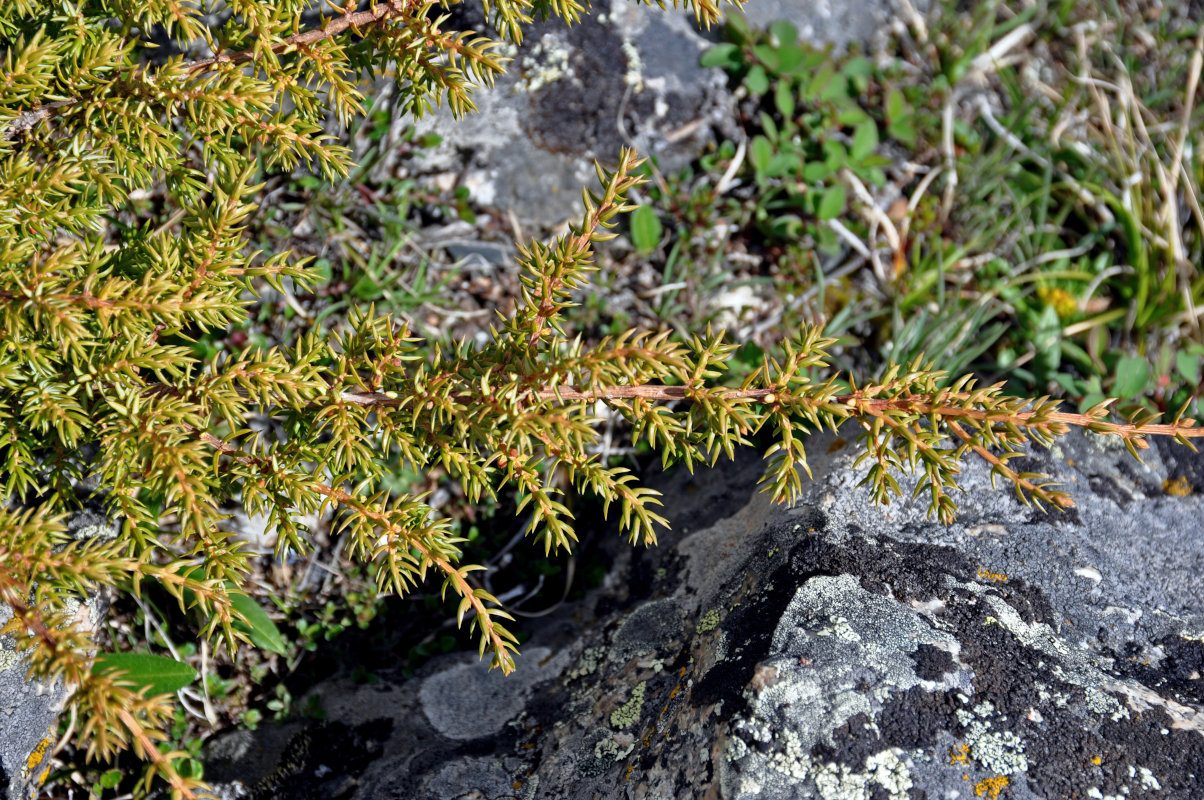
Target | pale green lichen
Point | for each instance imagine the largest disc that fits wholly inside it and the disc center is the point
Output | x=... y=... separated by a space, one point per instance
x=709 y=621
x=1000 y=752
x=548 y=62
x=614 y=748
x=634 y=77
x=884 y=770
x=841 y=629
x=8 y=658
x=629 y=714
x=1095 y=794
x=736 y=748
x=1103 y=703
x=591 y=657
x=1057 y=698
x=791 y=759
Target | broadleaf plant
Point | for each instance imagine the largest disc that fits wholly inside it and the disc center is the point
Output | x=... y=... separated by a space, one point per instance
x=102 y=394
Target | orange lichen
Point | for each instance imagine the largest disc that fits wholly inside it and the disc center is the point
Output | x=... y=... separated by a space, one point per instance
x=1096 y=760
x=627 y=774
x=959 y=754
x=36 y=756
x=991 y=788
x=995 y=577
x=1179 y=487
x=516 y=785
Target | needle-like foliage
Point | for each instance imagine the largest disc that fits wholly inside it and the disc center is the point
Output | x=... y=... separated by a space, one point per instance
x=98 y=379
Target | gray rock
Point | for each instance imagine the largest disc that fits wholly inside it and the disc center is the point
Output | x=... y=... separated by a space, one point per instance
x=29 y=710
x=833 y=650
x=625 y=75
x=833 y=22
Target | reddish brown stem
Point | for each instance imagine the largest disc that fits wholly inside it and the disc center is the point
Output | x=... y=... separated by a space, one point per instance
x=330 y=28
x=853 y=402
x=1003 y=469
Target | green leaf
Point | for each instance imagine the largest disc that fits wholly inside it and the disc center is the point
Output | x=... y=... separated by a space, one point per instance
x=768 y=56
x=645 y=229
x=835 y=155
x=366 y=288
x=900 y=118
x=323 y=269
x=790 y=59
x=859 y=67
x=1132 y=375
x=852 y=116
x=828 y=242
x=783 y=98
x=816 y=172
x=865 y=139
x=896 y=105
x=903 y=131
x=161 y=674
x=781 y=164
x=259 y=626
x=786 y=226
x=1188 y=366
x=1046 y=339
x=831 y=204
x=769 y=127
x=756 y=80
x=783 y=32
x=721 y=55
x=759 y=152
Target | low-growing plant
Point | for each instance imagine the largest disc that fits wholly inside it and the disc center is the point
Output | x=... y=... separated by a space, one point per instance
x=1070 y=187
x=813 y=125
x=104 y=396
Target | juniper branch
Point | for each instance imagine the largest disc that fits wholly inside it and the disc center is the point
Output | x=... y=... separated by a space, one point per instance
x=327 y=29
x=857 y=404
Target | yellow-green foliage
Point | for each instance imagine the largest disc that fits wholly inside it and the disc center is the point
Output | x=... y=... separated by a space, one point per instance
x=97 y=378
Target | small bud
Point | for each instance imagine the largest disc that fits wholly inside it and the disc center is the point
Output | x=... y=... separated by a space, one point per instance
x=771 y=398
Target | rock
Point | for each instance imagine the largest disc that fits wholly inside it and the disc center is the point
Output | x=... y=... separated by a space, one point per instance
x=833 y=650
x=833 y=22
x=29 y=710
x=624 y=75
